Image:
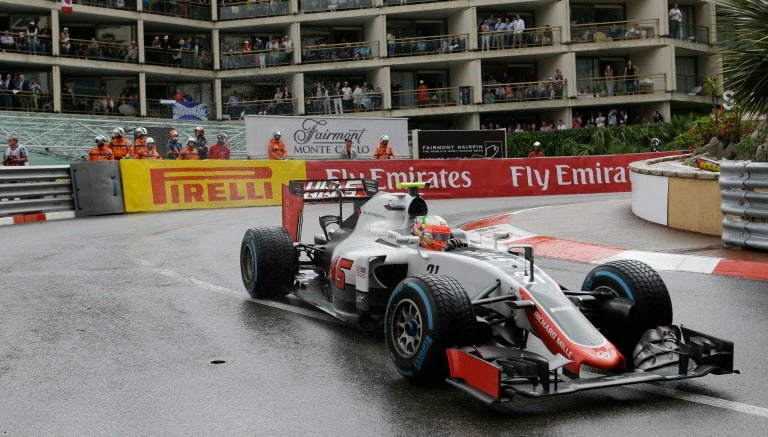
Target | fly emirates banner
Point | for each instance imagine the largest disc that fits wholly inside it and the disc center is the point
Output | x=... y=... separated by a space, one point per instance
x=470 y=178
x=171 y=185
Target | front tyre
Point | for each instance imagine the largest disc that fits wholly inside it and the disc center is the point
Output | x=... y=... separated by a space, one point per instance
x=639 y=283
x=268 y=262
x=425 y=315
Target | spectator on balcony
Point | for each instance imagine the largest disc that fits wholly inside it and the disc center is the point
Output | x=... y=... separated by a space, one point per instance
x=94 y=49
x=675 y=19
x=103 y=105
x=337 y=94
x=8 y=42
x=559 y=83
x=609 y=79
x=395 y=89
x=156 y=43
x=546 y=36
x=600 y=120
x=485 y=36
x=422 y=97
x=612 y=118
x=197 y=53
x=630 y=76
x=561 y=125
x=288 y=47
x=5 y=92
x=657 y=117
x=235 y=108
x=32 y=32
x=391 y=43
x=500 y=29
x=44 y=36
x=66 y=45
x=518 y=27
x=346 y=98
x=132 y=53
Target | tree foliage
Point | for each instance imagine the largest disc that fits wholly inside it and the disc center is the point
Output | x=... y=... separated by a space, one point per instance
x=743 y=46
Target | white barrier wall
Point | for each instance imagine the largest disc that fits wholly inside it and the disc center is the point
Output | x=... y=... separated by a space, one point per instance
x=323 y=137
x=649 y=197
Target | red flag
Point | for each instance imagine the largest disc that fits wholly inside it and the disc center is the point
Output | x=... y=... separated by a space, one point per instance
x=66 y=6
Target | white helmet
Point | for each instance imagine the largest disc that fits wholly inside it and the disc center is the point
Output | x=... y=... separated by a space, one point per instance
x=150 y=140
x=537 y=144
x=191 y=140
x=141 y=130
x=222 y=136
x=385 y=138
x=118 y=131
x=101 y=139
x=277 y=132
x=655 y=140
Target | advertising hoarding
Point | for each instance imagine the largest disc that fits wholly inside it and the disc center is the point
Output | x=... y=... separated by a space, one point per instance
x=452 y=144
x=320 y=137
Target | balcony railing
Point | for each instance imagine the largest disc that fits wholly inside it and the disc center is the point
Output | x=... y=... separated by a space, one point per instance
x=93 y=49
x=174 y=57
x=591 y=87
x=260 y=107
x=615 y=31
x=691 y=33
x=26 y=101
x=690 y=84
x=196 y=9
x=524 y=91
x=310 y=6
x=371 y=101
x=407 y=2
x=534 y=37
x=428 y=45
x=435 y=97
x=93 y=104
x=20 y=43
x=234 y=60
x=340 y=52
x=235 y=10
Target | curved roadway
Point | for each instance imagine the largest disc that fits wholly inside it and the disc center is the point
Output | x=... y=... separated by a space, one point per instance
x=139 y=324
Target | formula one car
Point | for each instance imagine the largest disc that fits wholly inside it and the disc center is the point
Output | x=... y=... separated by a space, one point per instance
x=464 y=314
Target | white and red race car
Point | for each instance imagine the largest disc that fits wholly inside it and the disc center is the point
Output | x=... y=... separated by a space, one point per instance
x=464 y=315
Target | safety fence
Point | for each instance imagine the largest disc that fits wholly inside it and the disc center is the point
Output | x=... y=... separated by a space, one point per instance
x=744 y=191
x=27 y=190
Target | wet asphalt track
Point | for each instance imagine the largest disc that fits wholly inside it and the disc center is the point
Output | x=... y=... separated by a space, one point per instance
x=113 y=325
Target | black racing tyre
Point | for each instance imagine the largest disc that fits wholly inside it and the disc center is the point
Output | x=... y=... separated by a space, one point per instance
x=641 y=284
x=425 y=315
x=268 y=262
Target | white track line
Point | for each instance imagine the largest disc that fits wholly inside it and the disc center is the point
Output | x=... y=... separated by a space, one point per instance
x=702 y=399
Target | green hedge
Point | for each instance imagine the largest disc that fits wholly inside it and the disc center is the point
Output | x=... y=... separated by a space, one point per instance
x=597 y=141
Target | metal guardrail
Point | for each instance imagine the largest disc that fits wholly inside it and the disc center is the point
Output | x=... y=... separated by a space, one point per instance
x=744 y=192
x=25 y=190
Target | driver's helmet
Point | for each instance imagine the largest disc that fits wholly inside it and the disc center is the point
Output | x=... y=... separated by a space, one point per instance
x=433 y=231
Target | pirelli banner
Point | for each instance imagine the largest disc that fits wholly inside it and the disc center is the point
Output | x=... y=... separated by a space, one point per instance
x=172 y=185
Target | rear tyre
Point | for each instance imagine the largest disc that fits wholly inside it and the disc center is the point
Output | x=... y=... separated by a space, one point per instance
x=425 y=315
x=268 y=262
x=640 y=283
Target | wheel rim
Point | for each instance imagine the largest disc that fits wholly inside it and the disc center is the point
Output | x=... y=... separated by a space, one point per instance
x=247 y=264
x=407 y=328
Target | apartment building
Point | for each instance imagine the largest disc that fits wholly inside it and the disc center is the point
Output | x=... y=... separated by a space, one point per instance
x=462 y=64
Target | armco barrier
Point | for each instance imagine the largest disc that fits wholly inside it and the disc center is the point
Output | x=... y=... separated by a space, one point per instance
x=35 y=190
x=744 y=192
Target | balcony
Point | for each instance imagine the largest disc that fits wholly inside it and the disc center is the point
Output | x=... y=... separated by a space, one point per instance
x=238 y=59
x=99 y=50
x=524 y=91
x=534 y=37
x=364 y=102
x=253 y=9
x=596 y=87
x=435 y=97
x=353 y=51
x=614 y=31
x=429 y=45
x=273 y=106
x=312 y=6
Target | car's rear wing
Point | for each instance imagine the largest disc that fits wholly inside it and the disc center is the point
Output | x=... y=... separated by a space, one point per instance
x=298 y=192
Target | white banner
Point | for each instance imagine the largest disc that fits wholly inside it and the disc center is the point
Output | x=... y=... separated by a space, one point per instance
x=323 y=137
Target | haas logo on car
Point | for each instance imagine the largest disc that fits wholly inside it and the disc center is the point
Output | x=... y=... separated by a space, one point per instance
x=339 y=267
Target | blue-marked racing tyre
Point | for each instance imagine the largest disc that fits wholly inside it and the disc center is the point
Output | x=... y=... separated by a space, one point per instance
x=639 y=283
x=425 y=315
x=268 y=262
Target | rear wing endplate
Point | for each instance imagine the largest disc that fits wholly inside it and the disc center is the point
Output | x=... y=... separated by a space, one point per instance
x=340 y=191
